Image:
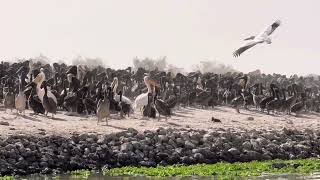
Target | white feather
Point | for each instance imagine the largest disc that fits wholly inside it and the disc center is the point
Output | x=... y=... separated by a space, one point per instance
x=140 y=101
x=20 y=101
x=124 y=99
x=263 y=37
x=40 y=91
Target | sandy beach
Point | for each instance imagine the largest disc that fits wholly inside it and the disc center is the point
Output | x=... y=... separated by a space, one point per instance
x=183 y=118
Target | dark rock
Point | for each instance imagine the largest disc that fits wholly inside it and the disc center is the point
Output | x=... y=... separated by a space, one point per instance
x=46 y=171
x=186 y=160
x=4 y=123
x=234 y=151
x=163 y=138
x=163 y=155
x=295 y=166
x=198 y=157
x=147 y=163
x=189 y=145
x=213 y=119
x=126 y=147
x=250 y=118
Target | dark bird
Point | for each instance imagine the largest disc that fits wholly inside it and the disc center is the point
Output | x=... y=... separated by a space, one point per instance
x=48 y=103
x=34 y=102
x=103 y=107
x=215 y=120
x=125 y=107
x=148 y=110
x=161 y=106
x=299 y=106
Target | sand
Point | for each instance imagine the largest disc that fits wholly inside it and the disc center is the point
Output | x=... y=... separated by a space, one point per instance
x=195 y=118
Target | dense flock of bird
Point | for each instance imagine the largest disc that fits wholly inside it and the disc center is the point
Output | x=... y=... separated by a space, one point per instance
x=45 y=88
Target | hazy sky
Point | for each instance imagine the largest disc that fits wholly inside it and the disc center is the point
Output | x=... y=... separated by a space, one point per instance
x=186 y=31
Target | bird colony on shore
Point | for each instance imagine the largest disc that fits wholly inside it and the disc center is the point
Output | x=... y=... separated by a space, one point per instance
x=79 y=90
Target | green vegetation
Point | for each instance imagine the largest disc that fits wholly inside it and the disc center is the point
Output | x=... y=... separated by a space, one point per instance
x=219 y=170
x=6 y=178
x=80 y=174
x=223 y=170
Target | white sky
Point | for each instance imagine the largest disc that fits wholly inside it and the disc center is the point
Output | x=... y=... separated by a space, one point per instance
x=186 y=31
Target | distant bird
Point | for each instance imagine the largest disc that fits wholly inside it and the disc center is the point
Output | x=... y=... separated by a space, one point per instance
x=142 y=99
x=48 y=103
x=263 y=37
x=161 y=106
x=21 y=99
x=9 y=99
x=33 y=101
x=103 y=107
x=213 y=119
x=40 y=91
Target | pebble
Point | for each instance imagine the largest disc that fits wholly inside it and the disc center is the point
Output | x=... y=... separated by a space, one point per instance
x=4 y=123
x=250 y=118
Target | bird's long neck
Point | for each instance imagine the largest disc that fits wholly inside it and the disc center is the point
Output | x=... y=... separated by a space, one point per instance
x=45 y=89
x=284 y=94
x=148 y=86
x=115 y=88
x=20 y=84
x=31 y=92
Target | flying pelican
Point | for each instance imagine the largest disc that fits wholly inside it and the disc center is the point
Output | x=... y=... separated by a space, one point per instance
x=261 y=38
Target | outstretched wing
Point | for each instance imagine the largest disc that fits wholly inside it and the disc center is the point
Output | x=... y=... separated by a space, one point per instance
x=269 y=30
x=244 y=48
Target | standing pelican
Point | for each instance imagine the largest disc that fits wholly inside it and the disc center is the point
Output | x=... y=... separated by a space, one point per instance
x=40 y=91
x=114 y=86
x=263 y=37
x=142 y=99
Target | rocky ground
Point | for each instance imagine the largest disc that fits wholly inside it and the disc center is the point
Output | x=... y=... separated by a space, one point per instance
x=25 y=154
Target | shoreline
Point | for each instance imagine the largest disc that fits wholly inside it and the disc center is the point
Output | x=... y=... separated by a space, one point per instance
x=25 y=154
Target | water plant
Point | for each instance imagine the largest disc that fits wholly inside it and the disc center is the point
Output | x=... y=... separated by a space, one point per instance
x=223 y=170
x=6 y=178
x=80 y=174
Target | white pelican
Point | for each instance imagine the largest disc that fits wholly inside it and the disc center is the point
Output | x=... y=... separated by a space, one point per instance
x=114 y=86
x=142 y=99
x=40 y=91
x=21 y=99
x=263 y=37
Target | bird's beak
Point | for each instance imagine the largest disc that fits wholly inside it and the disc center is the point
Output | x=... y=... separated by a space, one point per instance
x=28 y=85
x=27 y=88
